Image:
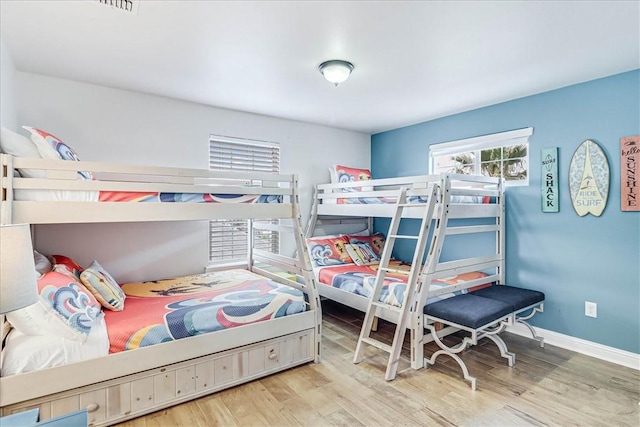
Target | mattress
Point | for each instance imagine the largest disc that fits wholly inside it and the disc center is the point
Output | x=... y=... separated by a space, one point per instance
x=129 y=196
x=360 y=280
x=124 y=196
x=160 y=311
x=412 y=199
x=167 y=310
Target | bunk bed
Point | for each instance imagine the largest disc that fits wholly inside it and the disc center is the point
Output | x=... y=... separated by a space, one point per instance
x=177 y=368
x=463 y=205
x=352 y=205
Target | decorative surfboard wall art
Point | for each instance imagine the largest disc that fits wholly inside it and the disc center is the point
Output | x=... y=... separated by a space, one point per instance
x=549 y=180
x=589 y=179
x=630 y=173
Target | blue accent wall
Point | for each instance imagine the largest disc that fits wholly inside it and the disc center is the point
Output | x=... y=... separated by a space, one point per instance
x=571 y=259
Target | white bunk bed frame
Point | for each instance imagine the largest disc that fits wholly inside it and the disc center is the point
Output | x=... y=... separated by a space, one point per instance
x=126 y=385
x=326 y=211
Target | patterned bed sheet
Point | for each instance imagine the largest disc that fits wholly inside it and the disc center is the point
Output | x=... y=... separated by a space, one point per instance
x=125 y=196
x=360 y=281
x=413 y=199
x=167 y=310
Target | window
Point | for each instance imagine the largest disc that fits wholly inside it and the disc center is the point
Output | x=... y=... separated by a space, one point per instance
x=504 y=154
x=228 y=239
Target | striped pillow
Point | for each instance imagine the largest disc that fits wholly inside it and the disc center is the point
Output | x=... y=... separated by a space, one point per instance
x=103 y=287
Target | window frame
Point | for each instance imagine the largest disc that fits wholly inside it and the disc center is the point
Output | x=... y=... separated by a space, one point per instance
x=240 y=154
x=485 y=142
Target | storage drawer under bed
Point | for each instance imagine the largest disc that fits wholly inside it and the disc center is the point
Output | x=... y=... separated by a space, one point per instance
x=141 y=393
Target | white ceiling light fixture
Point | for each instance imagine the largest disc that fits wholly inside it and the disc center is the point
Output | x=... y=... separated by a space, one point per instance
x=336 y=70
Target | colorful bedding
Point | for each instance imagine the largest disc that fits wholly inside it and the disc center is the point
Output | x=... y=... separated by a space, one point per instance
x=167 y=310
x=360 y=279
x=128 y=196
x=413 y=199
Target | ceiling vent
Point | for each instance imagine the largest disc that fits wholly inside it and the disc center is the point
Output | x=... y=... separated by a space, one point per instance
x=127 y=6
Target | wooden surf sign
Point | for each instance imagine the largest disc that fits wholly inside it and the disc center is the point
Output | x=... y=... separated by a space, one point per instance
x=549 y=169
x=589 y=179
x=630 y=173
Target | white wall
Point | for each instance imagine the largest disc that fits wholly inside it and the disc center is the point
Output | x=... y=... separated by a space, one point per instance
x=8 y=115
x=104 y=124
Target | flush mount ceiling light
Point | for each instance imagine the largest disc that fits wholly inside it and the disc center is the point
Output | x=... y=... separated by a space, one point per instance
x=336 y=71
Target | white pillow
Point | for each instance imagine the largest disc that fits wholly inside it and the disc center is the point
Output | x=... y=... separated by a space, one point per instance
x=43 y=265
x=20 y=146
x=333 y=175
x=40 y=319
x=17 y=145
x=25 y=353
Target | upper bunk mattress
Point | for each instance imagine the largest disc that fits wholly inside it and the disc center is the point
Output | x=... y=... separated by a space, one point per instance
x=138 y=196
x=127 y=196
x=167 y=310
x=412 y=199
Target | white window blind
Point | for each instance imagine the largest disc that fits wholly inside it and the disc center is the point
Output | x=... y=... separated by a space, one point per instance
x=229 y=238
x=504 y=154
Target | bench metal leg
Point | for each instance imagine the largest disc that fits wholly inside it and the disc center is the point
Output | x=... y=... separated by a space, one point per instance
x=465 y=371
x=490 y=332
x=523 y=319
x=452 y=352
x=502 y=346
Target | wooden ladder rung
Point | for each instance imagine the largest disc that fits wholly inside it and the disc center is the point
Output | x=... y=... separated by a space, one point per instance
x=394 y=270
x=387 y=306
x=377 y=344
x=403 y=236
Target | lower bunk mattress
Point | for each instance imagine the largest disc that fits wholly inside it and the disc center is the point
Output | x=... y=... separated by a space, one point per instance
x=360 y=280
x=161 y=311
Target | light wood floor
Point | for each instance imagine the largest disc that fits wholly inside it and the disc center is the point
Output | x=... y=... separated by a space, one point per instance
x=549 y=386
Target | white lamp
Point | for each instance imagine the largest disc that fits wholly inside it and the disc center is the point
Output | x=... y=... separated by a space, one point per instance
x=18 y=281
x=336 y=71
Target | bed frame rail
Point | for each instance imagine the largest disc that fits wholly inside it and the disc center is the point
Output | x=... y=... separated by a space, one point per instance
x=64 y=176
x=338 y=199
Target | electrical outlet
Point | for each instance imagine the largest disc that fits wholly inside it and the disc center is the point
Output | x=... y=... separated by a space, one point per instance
x=590 y=309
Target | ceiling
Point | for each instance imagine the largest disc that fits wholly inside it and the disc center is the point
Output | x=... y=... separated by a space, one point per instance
x=414 y=61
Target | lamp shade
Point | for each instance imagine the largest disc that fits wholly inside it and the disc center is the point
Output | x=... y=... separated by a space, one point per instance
x=18 y=281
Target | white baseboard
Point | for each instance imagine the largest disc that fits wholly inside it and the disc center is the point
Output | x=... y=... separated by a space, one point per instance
x=610 y=354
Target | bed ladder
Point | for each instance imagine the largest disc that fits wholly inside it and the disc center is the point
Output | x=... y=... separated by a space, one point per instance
x=403 y=312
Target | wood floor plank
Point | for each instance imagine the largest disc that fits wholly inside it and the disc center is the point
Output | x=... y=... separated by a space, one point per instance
x=547 y=386
x=216 y=411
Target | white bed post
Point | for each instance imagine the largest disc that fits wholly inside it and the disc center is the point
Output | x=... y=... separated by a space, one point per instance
x=313 y=215
x=500 y=235
x=6 y=195
x=307 y=270
x=250 y=242
x=430 y=267
x=6 y=188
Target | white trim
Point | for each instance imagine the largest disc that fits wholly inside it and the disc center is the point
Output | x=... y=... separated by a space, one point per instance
x=589 y=348
x=512 y=137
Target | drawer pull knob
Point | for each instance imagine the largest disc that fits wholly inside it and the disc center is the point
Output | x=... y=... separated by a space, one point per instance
x=273 y=356
x=92 y=407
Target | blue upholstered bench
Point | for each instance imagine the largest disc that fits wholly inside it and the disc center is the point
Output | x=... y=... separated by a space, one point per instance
x=522 y=300
x=481 y=317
